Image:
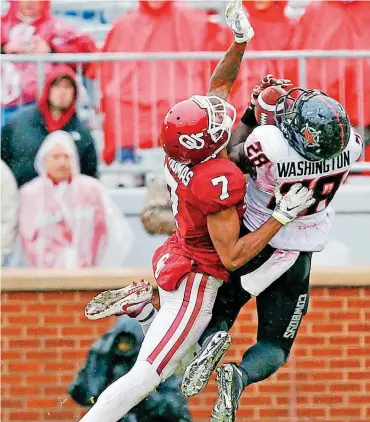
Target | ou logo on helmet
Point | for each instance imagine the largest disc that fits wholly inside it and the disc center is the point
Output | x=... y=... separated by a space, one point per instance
x=194 y=141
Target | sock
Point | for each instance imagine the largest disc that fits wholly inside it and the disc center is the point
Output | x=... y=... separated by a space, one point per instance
x=146 y=317
x=261 y=361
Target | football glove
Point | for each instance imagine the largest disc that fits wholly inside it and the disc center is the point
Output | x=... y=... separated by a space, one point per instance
x=297 y=199
x=238 y=22
x=267 y=81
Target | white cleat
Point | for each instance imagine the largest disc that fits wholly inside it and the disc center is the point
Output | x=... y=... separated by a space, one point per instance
x=129 y=300
x=198 y=372
x=230 y=387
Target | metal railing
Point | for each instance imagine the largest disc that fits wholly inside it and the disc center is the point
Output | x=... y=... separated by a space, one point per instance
x=171 y=59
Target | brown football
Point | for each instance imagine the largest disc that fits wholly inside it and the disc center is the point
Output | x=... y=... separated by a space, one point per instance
x=266 y=104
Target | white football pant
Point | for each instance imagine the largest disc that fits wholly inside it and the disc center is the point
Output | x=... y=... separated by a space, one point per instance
x=181 y=320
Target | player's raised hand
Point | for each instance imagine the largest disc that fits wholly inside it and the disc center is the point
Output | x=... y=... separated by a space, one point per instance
x=238 y=22
x=266 y=82
x=297 y=199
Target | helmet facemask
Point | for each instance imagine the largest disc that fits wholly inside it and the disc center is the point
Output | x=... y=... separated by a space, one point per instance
x=221 y=118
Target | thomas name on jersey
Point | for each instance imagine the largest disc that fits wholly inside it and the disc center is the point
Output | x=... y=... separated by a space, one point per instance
x=182 y=171
x=308 y=168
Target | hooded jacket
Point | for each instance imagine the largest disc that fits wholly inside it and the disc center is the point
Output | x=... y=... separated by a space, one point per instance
x=9 y=210
x=72 y=224
x=137 y=95
x=26 y=130
x=338 y=25
x=19 y=80
x=105 y=363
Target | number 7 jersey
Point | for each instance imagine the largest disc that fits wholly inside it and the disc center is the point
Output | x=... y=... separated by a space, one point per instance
x=195 y=192
x=277 y=163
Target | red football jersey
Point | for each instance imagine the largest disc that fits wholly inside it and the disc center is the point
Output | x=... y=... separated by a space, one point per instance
x=197 y=191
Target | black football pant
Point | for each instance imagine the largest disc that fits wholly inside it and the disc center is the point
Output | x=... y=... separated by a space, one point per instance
x=280 y=309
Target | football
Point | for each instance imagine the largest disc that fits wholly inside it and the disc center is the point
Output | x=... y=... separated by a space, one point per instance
x=266 y=104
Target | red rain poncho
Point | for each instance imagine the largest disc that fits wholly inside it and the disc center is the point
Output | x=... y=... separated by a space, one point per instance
x=273 y=31
x=338 y=25
x=19 y=80
x=137 y=95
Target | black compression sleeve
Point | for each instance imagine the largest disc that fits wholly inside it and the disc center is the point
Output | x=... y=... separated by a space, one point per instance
x=248 y=118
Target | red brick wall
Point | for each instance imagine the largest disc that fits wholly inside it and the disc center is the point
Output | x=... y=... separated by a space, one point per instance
x=45 y=337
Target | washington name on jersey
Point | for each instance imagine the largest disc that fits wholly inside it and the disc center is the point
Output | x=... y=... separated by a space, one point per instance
x=277 y=163
x=306 y=168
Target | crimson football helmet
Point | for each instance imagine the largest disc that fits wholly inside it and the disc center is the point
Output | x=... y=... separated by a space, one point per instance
x=195 y=130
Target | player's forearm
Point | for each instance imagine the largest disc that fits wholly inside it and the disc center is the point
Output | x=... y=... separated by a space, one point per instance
x=239 y=135
x=226 y=72
x=248 y=246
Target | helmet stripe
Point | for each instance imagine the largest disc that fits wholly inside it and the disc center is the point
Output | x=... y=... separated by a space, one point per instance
x=338 y=118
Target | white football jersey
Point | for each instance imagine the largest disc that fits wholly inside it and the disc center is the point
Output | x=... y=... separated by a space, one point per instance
x=277 y=163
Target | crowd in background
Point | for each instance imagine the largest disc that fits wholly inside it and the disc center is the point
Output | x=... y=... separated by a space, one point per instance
x=63 y=216
x=55 y=212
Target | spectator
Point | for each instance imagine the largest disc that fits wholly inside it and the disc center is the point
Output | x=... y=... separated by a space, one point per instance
x=156 y=215
x=66 y=219
x=29 y=27
x=112 y=356
x=273 y=32
x=9 y=213
x=338 y=25
x=23 y=135
x=136 y=95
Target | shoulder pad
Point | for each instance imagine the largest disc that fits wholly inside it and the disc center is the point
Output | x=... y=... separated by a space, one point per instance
x=355 y=145
x=271 y=140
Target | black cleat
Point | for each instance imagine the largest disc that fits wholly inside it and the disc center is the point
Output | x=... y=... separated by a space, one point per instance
x=199 y=371
x=230 y=387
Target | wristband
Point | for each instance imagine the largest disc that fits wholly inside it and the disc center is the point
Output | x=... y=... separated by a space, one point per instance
x=249 y=118
x=281 y=218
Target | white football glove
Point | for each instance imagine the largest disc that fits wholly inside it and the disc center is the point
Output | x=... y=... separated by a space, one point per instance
x=238 y=22
x=297 y=199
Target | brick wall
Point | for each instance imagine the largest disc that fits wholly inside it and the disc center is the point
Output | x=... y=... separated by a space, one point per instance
x=45 y=337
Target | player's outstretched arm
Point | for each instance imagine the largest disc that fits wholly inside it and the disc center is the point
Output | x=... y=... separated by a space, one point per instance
x=227 y=70
x=224 y=227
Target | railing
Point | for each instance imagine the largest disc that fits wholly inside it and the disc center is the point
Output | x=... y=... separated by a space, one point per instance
x=171 y=60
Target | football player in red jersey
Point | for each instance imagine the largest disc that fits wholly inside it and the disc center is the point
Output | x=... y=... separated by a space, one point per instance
x=207 y=192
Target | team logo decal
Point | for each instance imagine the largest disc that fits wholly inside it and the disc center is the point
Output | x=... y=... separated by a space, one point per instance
x=194 y=141
x=311 y=137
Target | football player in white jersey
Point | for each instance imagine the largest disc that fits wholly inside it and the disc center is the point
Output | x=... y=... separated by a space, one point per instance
x=312 y=143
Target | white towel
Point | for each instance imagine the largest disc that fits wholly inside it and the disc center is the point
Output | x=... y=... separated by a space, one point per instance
x=279 y=263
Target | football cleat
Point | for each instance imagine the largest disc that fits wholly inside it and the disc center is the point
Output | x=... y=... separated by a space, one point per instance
x=198 y=372
x=230 y=387
x=129 y=300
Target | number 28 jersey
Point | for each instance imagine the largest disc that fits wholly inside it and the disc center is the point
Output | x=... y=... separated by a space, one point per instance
x=277 y=163
x=195 y=192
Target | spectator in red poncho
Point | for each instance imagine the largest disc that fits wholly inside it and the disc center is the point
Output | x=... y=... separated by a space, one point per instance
x=273 y=31
x=137 y=95
x=29 y=28
x=338 y=25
